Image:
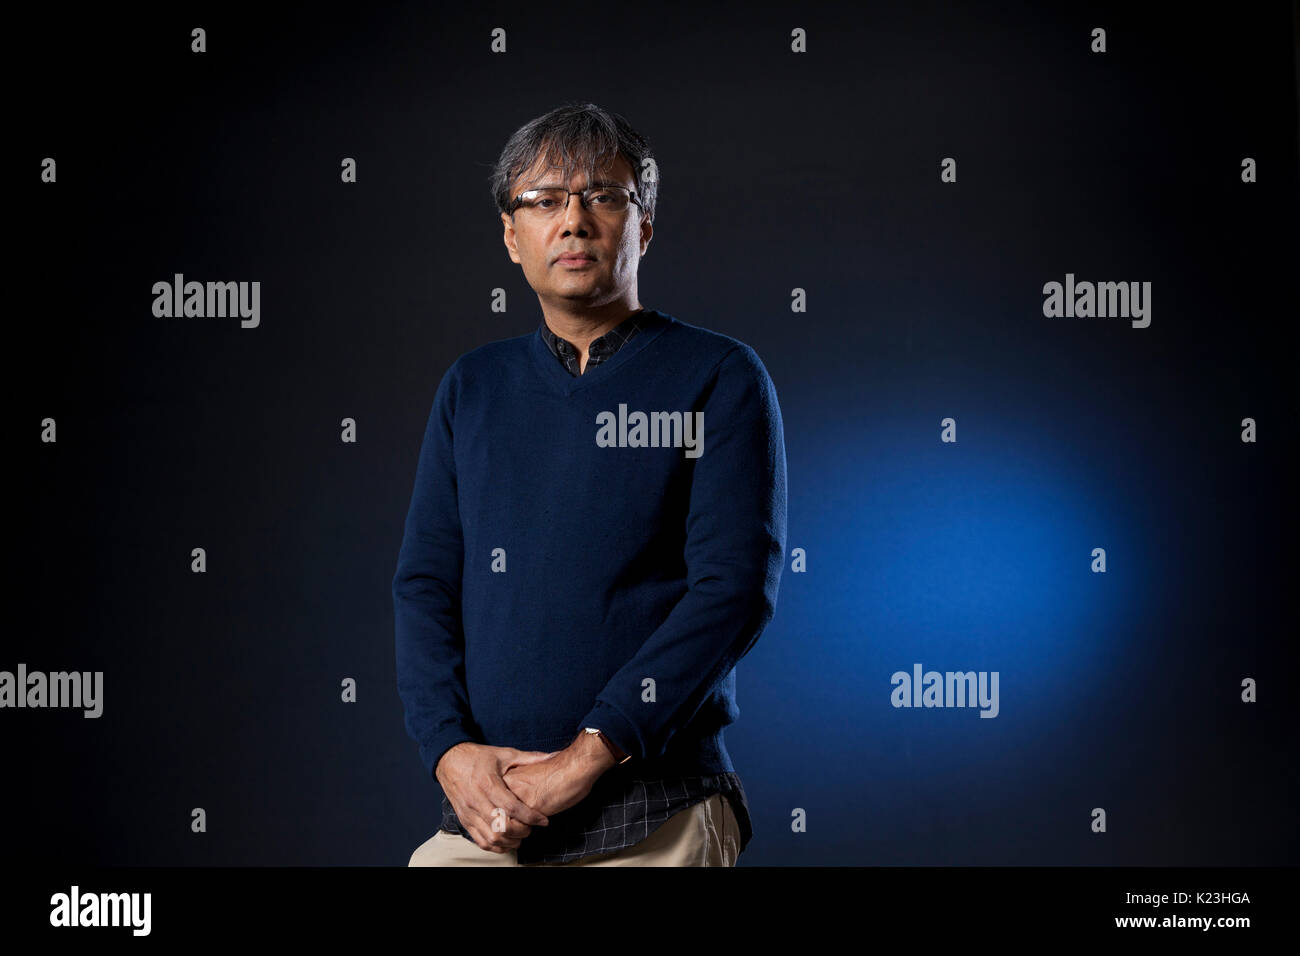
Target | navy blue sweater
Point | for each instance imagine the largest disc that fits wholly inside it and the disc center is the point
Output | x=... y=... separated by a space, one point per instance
x=571 y=559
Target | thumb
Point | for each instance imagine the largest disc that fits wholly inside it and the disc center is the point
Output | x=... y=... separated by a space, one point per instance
x=520 y=757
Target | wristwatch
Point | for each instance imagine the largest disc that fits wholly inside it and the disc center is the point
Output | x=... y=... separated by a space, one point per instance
x=619 y=756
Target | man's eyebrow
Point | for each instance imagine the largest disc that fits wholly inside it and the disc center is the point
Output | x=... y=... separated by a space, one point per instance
x=596 y=185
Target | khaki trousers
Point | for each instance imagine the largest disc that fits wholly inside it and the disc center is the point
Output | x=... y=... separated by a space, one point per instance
x=704 y=834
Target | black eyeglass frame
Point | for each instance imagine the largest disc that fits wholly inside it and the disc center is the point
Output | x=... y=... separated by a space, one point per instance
x=582 y=196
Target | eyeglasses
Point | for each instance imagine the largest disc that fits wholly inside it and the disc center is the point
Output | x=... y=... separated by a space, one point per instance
x=550 y=201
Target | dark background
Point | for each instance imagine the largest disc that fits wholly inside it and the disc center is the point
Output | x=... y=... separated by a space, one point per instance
x=819 y=171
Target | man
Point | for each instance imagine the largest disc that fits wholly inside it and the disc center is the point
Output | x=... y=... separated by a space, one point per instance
x=595 y=538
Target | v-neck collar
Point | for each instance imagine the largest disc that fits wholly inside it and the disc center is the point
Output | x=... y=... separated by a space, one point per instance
x=558 y=376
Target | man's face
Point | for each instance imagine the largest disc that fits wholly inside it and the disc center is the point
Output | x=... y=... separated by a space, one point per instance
x=614 y=244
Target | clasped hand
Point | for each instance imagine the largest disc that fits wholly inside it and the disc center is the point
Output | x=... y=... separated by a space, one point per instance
x=500 y=793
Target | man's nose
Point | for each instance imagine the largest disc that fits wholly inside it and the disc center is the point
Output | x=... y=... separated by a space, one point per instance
x=576 y=215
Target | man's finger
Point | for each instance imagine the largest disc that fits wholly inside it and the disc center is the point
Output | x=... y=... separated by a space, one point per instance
x=502 y=796
x=476 y=816
x=510 y=837
x=484 y=844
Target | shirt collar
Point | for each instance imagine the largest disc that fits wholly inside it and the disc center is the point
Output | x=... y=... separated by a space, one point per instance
x=601 y=348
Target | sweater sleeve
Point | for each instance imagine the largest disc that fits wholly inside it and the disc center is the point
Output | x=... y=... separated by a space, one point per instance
x=735 y=546
x=427 y=595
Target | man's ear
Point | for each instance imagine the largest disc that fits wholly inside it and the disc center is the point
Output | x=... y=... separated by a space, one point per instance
x=647 y=231
x=508 y=236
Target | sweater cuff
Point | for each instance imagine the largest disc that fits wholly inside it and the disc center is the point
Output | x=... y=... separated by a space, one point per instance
x=433 y=749
x=616 y=727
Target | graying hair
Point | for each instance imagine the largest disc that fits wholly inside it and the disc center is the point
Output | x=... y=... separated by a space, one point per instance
x=575 y=136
